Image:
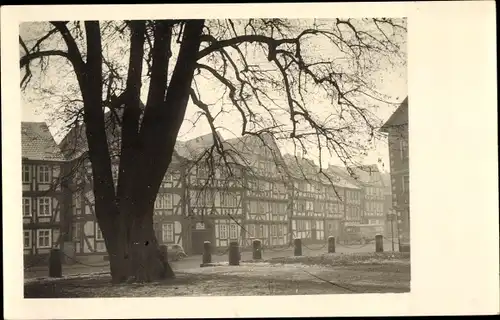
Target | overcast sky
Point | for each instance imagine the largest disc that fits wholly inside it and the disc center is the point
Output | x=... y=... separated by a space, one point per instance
x=391 y=81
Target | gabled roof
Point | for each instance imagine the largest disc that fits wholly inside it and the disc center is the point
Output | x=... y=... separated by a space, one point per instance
x=368 y=175
x=194 y=148
x=398 y=118
x=74 y=144
x=38 y=143
x=301 y=168
x=244 y=149
x=342 y=177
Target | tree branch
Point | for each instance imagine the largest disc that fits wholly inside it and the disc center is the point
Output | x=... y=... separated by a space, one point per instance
x=73 y=53
x=25 y=60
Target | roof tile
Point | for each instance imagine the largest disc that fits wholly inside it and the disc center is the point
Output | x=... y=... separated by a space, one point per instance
x=38 y=143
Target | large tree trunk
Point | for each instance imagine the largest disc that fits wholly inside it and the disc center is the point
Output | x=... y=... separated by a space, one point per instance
x=133 y=249
x=126 y=217
x=145 y=259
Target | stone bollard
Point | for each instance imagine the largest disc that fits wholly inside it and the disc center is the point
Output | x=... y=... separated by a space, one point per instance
x=297 y=250
x=55 y=263
x=207 y=252
x=404 y=248
x=257 y=250
x=234 y=254
x=164 y=252
x=379 y=243
x=331 y=244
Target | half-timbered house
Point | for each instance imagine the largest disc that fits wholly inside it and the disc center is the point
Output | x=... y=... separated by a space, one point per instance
x=240 y=198
x=338 y=209
x=372 y=186
x=43 y=204
x=86 y=236
x=266 y=203
x=169 y=209
x=213 y=196
x=308 y=199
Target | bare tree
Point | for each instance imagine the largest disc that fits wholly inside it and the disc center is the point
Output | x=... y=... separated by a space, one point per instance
x=268 y=70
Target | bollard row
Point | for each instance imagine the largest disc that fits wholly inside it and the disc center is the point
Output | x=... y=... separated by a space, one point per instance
x=234 y=255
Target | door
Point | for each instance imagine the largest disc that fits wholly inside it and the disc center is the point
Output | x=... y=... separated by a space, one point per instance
x=200 y=233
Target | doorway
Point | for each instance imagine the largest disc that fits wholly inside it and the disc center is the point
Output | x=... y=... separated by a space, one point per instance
x=200 y=233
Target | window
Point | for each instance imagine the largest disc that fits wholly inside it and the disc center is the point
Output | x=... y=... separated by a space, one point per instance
x=43 y=237
x=98 y=232
x=228 y=200
x=75 y=231
x=406 y=184
x=403 y=143
x=44 y=174
x=168 y=232
x=202 y=172
x=26 y=174
x=168 y=200
x=302 y=206
x=27 y=239
x=163 y=201
x=233 y=231
x=26 y=207
x=274 y=231
x=115 y=172
x=251 y=231
x=44 y=208
x=309 y=206
x=167 y=180
x=261 y=207
x=77 y=203
x=222 y=231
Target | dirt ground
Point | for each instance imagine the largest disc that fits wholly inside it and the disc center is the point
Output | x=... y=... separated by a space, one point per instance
x=376 y=274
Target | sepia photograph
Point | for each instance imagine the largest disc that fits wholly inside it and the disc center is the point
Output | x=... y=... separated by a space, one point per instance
x=238 y=156
x=215 y=157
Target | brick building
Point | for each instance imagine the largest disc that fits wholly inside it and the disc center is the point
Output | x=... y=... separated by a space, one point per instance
x=398 y=135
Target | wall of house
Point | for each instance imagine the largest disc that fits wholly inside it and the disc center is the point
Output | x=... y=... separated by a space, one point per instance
x=373 y=205
x=399 y=156
x=42 y=199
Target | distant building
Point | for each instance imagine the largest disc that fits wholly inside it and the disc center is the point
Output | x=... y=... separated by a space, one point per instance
x=397 y=129
x=43 y=196
x=371 y=182
x=370 y=186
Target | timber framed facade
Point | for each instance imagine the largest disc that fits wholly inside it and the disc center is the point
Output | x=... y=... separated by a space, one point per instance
x=43 y=197
x=263 y=198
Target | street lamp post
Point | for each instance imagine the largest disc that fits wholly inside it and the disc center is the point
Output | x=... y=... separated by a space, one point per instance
x=391 y=217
